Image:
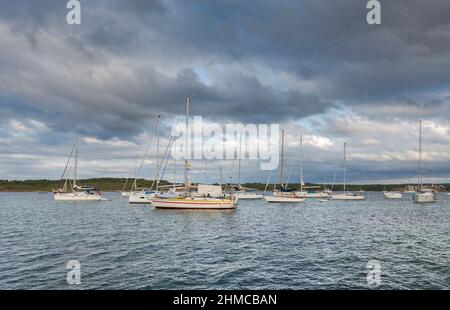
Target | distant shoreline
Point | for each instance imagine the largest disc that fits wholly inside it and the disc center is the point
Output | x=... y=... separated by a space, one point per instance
x=117 y=184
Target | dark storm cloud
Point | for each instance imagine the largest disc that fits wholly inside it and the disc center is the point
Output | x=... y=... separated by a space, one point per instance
x=116 y=31
x=326 y=42
x=329 y=40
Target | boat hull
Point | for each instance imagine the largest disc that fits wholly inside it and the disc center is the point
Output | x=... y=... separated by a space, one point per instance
x=77 y=197
x=425 y=198
x=319 y=195
x=247 y=196
x=278 y=199
x=390 y=195
x=141 y=198
x=202 y=204
x=347 y=197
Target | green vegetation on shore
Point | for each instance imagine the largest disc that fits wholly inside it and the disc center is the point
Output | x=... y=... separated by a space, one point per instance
x=114 y=184
x=104 y=184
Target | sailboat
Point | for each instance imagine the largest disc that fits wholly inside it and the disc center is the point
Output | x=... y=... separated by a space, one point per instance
x=190 y=199
x=409 y=189
x=76 y=192
x=123 y=192
x=247 y=194
x=392 y=194
x=144 y=196
x=423 y=194
x=347 y=195
x=307 y=194
x=283 y=195
x=241 y=192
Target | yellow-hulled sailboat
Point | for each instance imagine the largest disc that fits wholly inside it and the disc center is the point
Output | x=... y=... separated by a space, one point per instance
x=189 y=199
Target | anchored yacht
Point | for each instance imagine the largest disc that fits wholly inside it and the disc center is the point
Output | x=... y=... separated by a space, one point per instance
x=73 y=192
x=347 y=195
x=284 y=195
x=392 y=195
x=209 y=200
x=423 y=195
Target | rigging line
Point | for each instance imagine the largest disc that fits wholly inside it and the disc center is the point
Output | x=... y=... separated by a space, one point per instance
x=165 y=157
x=221 y=174
x=290 y=170
x=68 y=181
x=125 y=185
x=289 y=176
x=268 y=179
x=68 y=160
x=166 y=152
x=134 y=172
x=292 y=166
x=238 y=156
x=232 y=166
x=334 y=179
x=134 y=186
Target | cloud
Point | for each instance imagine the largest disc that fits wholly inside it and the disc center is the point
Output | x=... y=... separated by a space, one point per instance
x=315 y=67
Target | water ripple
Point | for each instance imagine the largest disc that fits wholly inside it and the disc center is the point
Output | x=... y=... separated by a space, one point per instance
x=258 y=246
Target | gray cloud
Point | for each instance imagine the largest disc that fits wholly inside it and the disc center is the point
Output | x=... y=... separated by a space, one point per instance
x=317 y=64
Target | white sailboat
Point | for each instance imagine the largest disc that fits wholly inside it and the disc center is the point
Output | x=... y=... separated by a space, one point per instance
x=283 y=196
x=145 y=196
x=189 y=199
x=409 y=189
x=244 y=193
x=124 y=193
x=392 y=195
x=76 y=193
x=141 y=197
x=423 y=195
x=247 y=195
x=347 y=195
x=307 y=194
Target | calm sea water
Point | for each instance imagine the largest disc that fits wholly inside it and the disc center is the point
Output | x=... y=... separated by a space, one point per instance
x=305 y=246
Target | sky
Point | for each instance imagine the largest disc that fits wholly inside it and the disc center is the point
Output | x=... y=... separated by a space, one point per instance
x=314 y=67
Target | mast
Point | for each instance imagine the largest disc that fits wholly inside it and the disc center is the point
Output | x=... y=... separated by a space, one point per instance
x=267 y=183
x=221 y=174
x=419 y=171
x=135 y=171
x=239 y=162
x=345 y=181
x=125 y=185
x=282 y=158
x=175 y=167
x=186 y=150
x=301 y=163
x=334 y=179
x=157 y=152
x=134 y=186
x=75 y=164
